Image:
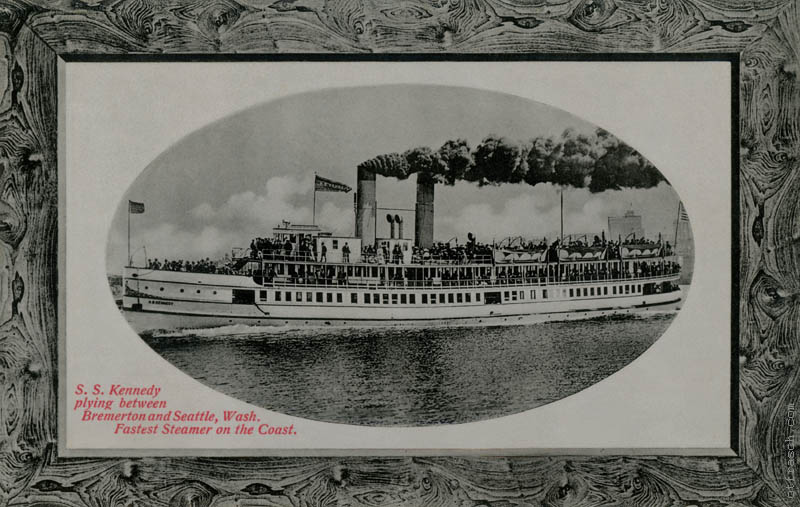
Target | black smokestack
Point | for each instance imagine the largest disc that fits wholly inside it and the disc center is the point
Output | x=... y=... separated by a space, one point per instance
x=429 y=168
x=366 y=206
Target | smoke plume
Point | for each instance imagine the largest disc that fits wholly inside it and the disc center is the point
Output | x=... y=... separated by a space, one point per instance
x=598 y=162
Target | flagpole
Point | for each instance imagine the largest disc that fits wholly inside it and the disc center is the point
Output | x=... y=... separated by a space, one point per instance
x=129 y=233
x=314 y=202
x=562 y=216
x=677 y=221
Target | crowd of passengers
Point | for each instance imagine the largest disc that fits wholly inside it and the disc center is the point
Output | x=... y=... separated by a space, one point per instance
x=200 y=266
x=505 y=274
x=272 y=248
x=471 y=252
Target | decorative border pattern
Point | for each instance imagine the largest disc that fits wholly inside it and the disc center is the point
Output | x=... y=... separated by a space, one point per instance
x=34 y=34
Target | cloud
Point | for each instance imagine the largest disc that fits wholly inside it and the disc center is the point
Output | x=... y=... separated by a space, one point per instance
x=211 y=231
x=536 y=213
x=169 y=241
x=259 y=210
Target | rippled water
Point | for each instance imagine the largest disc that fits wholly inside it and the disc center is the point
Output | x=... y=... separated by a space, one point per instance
x=410 y=377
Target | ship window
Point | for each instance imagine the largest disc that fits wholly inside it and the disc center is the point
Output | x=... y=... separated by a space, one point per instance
x=319 y=297
x=146 y=287
x=386 y=299
x=394 y=299
x=198 y=291
x=181 y=290
x=309 y=297
x=614 y=289
x=585 y=292
x=605 y=291
x=374 y=272
x=544 y=293
x=521 y=295
x=478 y=297
x=262 y=295
x=298 y=296
x=338 y=297
x=591 y=291
x=513 y=295
x=459 y=297
x=375 y=299
x=403 y=299
x=627 y=289
x=288 y=296
x=215 y=292
x=492 y=298
x=505 y=296
x=329 y=297
x=571 y=292
x=412 y=299
x=424 y=299
x=335 y=244
x=450 y=298
x=639 y=288
x=366 y=298
x=533 y=294
x=244 y=297
x=433 y=299
x=354 y=297
x=277 y=295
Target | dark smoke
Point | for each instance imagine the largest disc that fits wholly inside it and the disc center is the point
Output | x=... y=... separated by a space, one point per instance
x=598 y=162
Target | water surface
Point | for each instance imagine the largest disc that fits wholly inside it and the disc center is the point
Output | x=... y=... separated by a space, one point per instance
x=410 y=377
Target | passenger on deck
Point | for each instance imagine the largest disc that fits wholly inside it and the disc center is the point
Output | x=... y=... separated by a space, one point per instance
x=346 y=253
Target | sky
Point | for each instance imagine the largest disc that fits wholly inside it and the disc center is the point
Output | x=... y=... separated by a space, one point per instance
x=240 y=176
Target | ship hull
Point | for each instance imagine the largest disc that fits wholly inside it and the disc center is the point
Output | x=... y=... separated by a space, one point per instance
x=148 y=323
x=161 y=300
x=186 y=317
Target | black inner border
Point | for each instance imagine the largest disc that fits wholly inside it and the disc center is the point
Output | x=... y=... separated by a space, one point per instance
x=732 y=58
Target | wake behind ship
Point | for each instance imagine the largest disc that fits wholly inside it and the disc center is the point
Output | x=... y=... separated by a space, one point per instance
x=304 y=275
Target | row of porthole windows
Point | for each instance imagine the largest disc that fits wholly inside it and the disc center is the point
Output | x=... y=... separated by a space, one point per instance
x=616 y=290
x=161 y=289
x=368 y=298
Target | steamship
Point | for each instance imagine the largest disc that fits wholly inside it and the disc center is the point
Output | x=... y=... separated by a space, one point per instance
x=316 y=278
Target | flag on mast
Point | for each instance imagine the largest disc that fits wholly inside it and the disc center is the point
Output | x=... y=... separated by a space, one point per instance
x=134 y=208
x=325 y=185
x=682 y=215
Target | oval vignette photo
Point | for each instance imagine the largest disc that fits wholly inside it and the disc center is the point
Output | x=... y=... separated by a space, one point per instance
x=400 y=255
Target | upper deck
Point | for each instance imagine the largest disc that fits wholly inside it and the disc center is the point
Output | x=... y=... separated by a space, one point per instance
x=304 y=255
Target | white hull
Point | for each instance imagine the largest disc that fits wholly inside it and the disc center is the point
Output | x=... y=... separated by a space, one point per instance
x=146 y=322
x=171 y=300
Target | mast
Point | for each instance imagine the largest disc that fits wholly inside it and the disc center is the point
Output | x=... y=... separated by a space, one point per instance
x=129 y=233
x=677 y=222
x=314 y=202
x=562 y=216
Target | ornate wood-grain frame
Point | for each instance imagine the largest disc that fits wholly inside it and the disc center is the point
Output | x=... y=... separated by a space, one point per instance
x=33 y=36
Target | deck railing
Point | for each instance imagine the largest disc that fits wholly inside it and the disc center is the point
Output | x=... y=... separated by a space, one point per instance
x=439 y=284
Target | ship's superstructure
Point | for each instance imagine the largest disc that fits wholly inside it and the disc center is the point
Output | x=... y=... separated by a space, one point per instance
x=304 y=275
